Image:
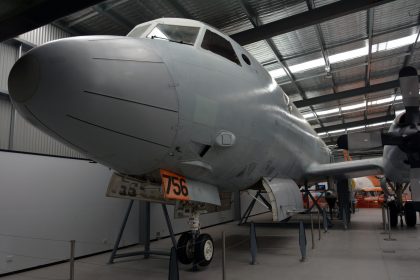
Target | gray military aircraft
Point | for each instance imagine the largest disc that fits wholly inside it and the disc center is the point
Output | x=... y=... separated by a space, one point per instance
x=178 y=103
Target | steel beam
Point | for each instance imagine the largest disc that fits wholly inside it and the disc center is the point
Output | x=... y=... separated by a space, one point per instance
x=413 y=46
x=305 y=19
x=321 y=41
x=370 y=39
x=347 y=94
x=355 y=123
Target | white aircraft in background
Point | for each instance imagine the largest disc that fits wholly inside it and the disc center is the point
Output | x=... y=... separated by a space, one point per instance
x=178 y=103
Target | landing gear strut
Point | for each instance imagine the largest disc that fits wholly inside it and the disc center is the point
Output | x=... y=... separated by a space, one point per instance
x=192 y=246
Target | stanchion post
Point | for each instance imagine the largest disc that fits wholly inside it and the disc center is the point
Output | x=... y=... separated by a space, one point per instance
x=312 y=231
x=173 y=265
x=253 y=243
x=319 y=225
x=388 y=213
x=223 y=255
x=72 y=248
x=345 y=218
x=302 y=241
x=325 y=219
x=383 y=218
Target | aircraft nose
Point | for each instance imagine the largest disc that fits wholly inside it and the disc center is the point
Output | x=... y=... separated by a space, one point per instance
x=110 y=97
x=24 y=78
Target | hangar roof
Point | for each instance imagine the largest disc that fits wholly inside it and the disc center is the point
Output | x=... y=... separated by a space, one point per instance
x=337 y=60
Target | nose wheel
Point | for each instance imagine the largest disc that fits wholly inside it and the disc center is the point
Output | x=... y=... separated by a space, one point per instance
x=193 y=247
x=199 y=251
x=204 y=250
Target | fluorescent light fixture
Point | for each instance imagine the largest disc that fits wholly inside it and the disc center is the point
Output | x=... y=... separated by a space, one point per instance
x=355 y=127
x=349 y=55
x=376 y=124
x=327 y=112
x=399 y=112
x=322 y=133
x=383 y=100
x=309 y=115
x=354 y=106
x=393 y=44
x=336 y=131
x=339 y=57
x=307 y=65
x=277 y=73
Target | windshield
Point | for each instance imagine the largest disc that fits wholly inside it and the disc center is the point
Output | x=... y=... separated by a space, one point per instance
x=175 y=33
x=138 y=31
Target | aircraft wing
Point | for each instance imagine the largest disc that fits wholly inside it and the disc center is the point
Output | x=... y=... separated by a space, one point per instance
x=349 y=169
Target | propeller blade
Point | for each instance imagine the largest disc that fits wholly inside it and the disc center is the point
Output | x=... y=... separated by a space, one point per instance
x=391 y=139
x=409 y=84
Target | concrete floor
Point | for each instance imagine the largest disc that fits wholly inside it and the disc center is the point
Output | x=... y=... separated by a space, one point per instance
x=358 y=253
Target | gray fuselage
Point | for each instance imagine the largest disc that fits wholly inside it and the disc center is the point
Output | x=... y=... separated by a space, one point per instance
x=139 y=105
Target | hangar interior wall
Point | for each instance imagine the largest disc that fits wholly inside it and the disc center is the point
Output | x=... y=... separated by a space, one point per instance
x=46 y=201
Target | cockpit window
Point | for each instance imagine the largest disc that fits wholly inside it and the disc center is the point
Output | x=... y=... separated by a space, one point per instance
x=175 y=33
x=138 y=31
x=219 y=45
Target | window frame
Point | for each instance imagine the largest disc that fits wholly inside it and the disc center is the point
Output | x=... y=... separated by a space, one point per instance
x=203 y=35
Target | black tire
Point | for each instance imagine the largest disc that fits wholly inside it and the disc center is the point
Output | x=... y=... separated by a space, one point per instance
x=410 y=214
x=393 y=212
x=184 y=250
x=204 y=250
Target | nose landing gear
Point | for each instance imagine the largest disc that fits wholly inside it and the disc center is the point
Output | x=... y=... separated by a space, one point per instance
x=194 y=247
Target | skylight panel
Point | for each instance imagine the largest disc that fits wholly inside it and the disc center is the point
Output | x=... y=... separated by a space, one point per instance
x=376 y=124
x=309 y=115
x=336 y=131
x=355 y=127
x=354 y=106
x=277 y=73
x=349 y=55
x=307 y=65
x=399 y=112
x=397 y=43
x=327 y=112
x=383 y=100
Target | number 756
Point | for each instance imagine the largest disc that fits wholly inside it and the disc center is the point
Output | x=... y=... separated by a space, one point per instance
x=177 y=185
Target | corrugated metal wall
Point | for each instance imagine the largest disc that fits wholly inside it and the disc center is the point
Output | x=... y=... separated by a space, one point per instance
x=8 y=55
x=44 y=34
x=5 y=116
x=25 y=137
x=28 y=138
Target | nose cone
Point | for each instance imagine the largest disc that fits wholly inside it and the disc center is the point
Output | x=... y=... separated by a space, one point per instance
x=108 y=97
x=24 y=78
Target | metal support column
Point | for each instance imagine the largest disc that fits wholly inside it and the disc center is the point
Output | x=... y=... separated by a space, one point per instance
x=253 y=243
x=147 y=252
x=248 y=211
x=343 y=194
x=302 y=241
